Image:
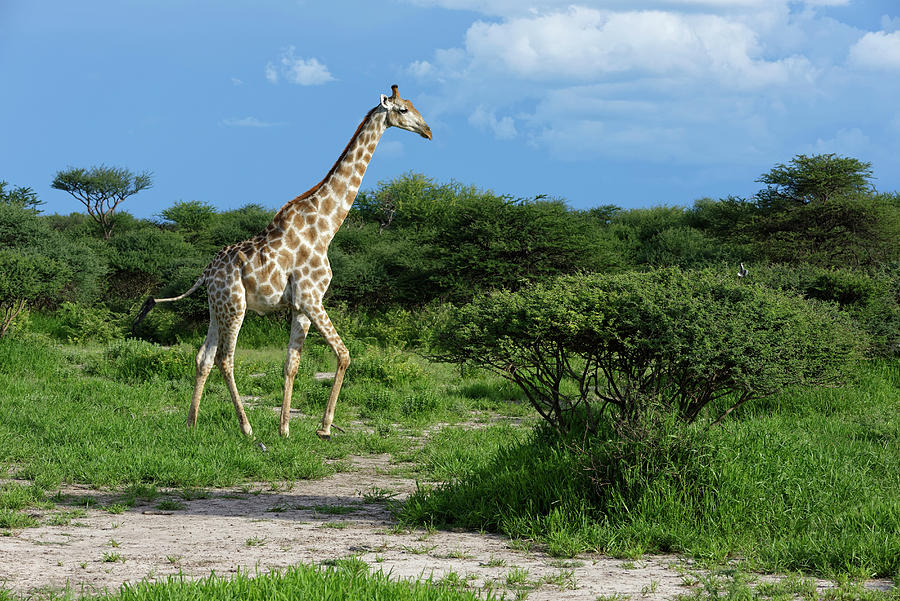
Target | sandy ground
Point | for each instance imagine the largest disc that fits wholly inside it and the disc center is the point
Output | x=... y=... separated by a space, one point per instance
x=314 y=521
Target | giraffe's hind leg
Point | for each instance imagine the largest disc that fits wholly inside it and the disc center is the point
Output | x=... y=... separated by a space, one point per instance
x=229 y=327
x=204 y=362
x=326 y=328
x=299 y=328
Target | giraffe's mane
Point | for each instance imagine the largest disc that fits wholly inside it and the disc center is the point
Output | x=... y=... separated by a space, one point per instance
x=334 y=167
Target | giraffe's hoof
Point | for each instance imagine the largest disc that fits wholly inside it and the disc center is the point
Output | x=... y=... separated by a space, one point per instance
x=323 y=434
x=285 y=432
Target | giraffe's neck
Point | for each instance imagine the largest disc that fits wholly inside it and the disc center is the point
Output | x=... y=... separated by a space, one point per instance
x=326 y=205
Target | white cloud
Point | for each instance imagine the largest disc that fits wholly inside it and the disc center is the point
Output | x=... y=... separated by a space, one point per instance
x=586 y=44
x=680 y=81
x=877 y=50
x=421 y=68
x=236 y=82
x=852 y=142
x=300 y=71
x=248 y=122
x=503 y=128
x=271 y=73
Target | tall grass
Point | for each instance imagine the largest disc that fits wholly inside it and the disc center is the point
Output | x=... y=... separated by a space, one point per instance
x=808 y=481
x=64 y=421
x=114 y=414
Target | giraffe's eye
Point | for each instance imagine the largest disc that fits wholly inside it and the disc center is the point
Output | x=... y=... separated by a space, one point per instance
x=403 y=110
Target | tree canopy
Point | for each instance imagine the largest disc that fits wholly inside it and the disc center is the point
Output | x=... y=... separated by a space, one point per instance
x=101 y=190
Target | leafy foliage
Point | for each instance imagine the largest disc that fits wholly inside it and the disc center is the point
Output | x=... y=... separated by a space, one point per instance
x=101 y=190
x=870 y=298
x=638 y=341
x=26 y=278
x=21 y=196
x=414 y=241
x=79 y=323
x=813 y=179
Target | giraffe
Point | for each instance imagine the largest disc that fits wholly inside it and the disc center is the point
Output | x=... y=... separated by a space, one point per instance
x=286 y=265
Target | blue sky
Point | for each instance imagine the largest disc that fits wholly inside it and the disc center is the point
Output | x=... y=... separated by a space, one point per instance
x=635 y=103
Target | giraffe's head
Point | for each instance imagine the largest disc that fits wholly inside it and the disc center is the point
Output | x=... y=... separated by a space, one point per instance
x=401 y=113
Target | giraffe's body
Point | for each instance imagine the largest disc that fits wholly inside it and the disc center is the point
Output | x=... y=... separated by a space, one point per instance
x=286 y=266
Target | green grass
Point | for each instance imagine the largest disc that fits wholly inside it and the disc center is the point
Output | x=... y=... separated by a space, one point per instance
x=808 y=481
x=345 y=579
x=114 y=416
x=732 y=584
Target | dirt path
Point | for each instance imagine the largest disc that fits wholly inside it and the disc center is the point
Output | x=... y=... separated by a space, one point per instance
x=313 y=522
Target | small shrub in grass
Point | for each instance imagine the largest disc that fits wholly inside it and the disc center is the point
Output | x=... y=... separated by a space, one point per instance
x=379 y=401
x=788 y=490
x=79 y=323
x=635 y=341
x=137 y=360
x=418 y=403
x=391 y=368
x=628 y=459
x=162 y=326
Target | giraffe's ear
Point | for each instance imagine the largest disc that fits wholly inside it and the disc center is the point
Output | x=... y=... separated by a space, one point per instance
x=384 y=102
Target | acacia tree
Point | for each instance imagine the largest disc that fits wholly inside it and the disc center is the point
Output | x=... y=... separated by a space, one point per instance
x=823 y=209
x=21 y=196
x=639 y=341
x=811 y=179
x=101 y=189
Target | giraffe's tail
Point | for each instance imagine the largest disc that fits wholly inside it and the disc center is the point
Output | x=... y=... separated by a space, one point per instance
x=151 y=302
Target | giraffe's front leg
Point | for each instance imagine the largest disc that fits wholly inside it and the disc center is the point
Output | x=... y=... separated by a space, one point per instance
x=299 y=328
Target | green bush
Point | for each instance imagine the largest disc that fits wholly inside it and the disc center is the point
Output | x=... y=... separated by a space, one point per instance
x=801 y=484
x=379 y=401
x=83 y=265
x=419 y=403
x=26 y=278
x=78 y=323
x=664 y=237
x=414 y=241
x=163 y=327
x=636 y=341
x=870 y=298
x=389 y=367
x=140 y=361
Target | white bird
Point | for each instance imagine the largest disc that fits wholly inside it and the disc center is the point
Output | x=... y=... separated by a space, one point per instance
x=742 y=271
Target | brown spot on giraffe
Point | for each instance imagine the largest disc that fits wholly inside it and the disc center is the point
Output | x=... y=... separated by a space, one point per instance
x=287 y=265
x=291 y=239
